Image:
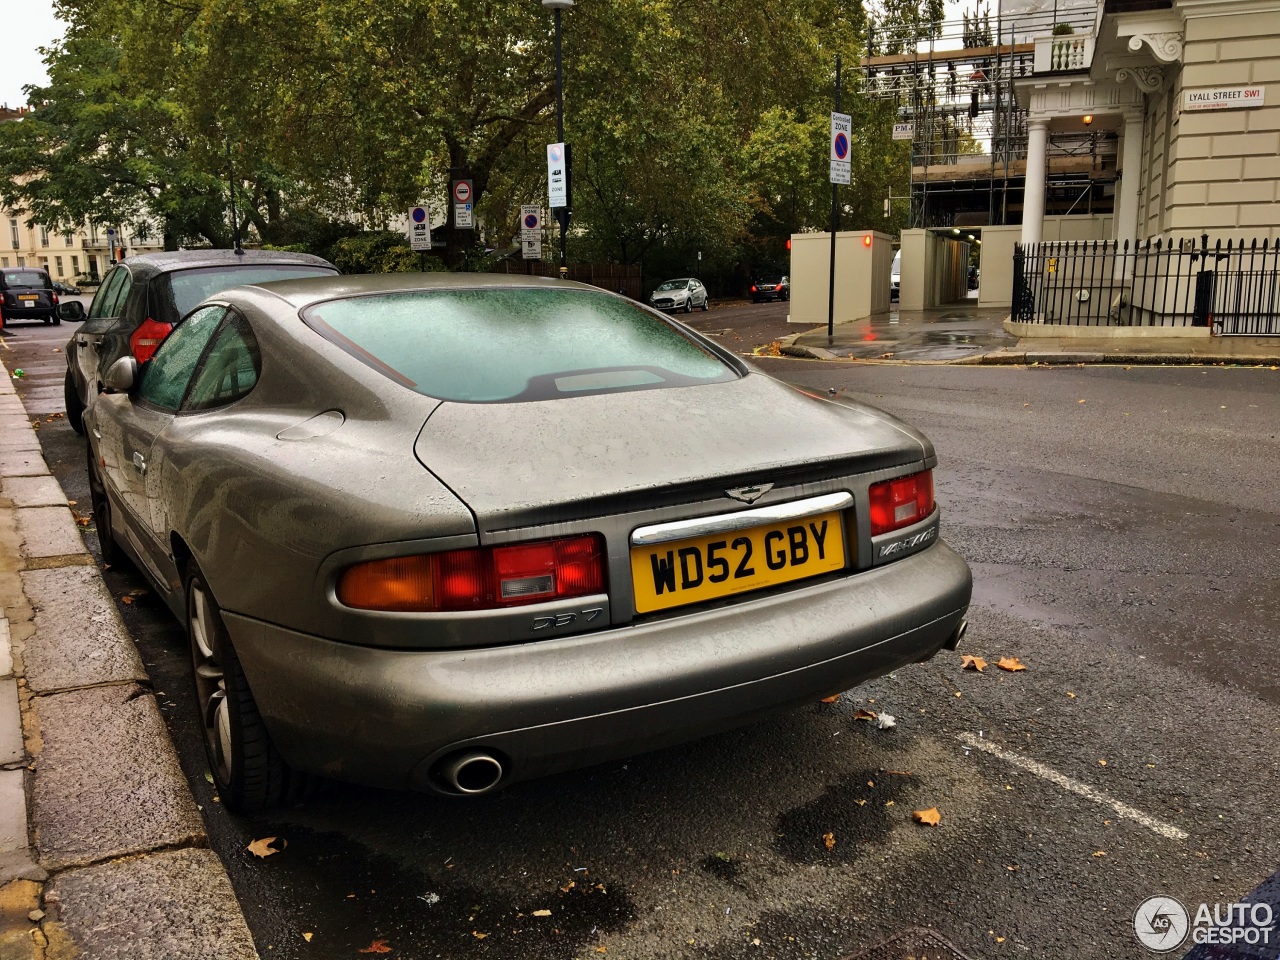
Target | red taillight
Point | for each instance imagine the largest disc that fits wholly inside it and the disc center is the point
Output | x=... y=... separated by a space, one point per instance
x=778 y=287
x=149 y=335
x=901 y=502
x=482 y=578
x=753 y=288
x=55 y=298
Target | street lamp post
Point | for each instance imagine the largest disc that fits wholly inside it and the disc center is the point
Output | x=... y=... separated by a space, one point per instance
x=562 y=213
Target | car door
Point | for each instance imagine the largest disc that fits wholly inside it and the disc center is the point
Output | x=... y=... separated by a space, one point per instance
x=227 y=371
x=140 y=417
x=103 y=314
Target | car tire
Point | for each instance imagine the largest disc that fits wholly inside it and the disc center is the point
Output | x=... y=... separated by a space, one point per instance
x=57 y=320
x=688 y=305
x=107 y=546
x=706 y=304
x=71 y=400
x=248 y=771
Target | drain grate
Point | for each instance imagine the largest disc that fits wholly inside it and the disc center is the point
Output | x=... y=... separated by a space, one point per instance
x=912 y=945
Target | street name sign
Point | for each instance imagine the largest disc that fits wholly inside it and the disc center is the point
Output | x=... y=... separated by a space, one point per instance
x=419 y=229
x=557 y=175
x=841 y=134
x=1224 y=98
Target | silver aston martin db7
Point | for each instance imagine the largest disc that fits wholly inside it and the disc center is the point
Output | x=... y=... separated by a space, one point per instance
x=451 y=532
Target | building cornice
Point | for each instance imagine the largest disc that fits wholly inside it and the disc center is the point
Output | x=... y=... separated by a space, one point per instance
x=1219 y=8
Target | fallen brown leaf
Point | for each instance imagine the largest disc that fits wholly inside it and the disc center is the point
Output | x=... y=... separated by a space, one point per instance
x=930 y=817
x=972 y=663
x=831 y=699
x=262 y=848
x=829 y=840
x=475 y=933
x=307 y=937
x=865 y=715
x=1012 y=664
x=378 y=946
x=567 y=887
x=542 y=913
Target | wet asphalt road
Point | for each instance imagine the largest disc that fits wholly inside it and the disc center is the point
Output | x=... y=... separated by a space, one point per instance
x=1124 y=534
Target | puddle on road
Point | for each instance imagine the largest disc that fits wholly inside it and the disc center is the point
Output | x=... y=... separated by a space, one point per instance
x=352 y=898
x=856 y=812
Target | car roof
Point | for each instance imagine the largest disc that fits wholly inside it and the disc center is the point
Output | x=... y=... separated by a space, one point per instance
x=23 y=269
x=306 y=291
x=146 y=265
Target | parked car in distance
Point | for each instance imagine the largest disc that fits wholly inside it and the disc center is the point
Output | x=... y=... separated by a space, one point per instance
x=973 y=276
x=141 y=299
x=680 y=295
x=26 y=293
x=66 y=289
x=771 y=288
x=895 y=277
x=625 y=562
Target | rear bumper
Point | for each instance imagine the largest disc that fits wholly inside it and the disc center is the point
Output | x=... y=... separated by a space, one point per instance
x=388 y=717
x=28 y=313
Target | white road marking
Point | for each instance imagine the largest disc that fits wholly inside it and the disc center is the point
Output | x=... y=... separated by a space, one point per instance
x=1074 y=786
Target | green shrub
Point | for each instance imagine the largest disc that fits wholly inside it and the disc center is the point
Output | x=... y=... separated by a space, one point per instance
x=1063 y=30
x=381 y=251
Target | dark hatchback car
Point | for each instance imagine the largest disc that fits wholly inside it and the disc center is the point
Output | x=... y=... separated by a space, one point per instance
x=771 y=288
x=26 y=293
x=141 y=300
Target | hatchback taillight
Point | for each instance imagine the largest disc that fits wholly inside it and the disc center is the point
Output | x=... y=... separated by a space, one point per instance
x=149 y=335
x=901 y=502
x=753 y=288
x=482 y=578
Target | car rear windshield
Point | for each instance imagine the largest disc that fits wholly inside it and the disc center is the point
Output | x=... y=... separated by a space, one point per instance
x=27 y=279
x=180 y=292
x=770 y=280
x=513 y=345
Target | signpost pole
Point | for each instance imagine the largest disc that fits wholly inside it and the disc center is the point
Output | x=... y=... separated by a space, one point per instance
x=835 y=225
x=562 y=215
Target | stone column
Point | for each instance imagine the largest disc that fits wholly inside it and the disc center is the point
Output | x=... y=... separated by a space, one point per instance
x=1130 y=180
x=1033 y=196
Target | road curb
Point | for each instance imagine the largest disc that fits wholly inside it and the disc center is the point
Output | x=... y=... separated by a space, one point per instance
x=96 y=808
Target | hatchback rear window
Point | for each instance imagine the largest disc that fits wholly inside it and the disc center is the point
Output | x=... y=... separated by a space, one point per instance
x=512 y=345
x=27 y=279
x=180 y=292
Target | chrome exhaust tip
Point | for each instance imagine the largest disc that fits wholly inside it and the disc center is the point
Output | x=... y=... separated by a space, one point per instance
x=956 y=637
x=472 y=773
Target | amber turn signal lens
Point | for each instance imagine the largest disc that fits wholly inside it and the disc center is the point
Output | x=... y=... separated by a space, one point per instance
x=400 y=583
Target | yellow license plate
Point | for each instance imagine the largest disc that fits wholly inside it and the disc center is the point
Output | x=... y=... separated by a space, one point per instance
x=24 y=297
x=704 y=568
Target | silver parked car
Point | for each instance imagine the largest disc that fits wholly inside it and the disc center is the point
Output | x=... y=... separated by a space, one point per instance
x=450 y=532
x=680 y=295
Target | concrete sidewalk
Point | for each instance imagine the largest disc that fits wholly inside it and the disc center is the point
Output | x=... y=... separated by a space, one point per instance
x=965 y=333
x=103 y=852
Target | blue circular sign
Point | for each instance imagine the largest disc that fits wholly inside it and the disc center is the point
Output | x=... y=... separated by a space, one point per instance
x=842 y=146
x=419 y=215
x=531 y=221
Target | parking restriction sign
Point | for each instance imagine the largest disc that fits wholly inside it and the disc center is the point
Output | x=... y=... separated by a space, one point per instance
x=841 y=135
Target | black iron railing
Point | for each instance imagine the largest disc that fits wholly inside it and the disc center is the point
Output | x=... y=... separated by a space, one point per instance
x=1234 y=288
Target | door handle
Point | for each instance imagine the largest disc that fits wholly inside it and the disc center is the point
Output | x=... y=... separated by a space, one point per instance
x=140 y=463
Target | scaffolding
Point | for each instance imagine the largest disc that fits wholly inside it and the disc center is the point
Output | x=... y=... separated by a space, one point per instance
x=953 y=84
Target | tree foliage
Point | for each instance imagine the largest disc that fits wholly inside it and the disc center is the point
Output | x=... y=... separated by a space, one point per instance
x=698 y=126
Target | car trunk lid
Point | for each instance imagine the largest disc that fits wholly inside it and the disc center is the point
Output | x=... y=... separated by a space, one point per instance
x=524 y=464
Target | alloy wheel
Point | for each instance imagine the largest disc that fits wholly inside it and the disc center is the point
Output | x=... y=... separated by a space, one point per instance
x=211 y=685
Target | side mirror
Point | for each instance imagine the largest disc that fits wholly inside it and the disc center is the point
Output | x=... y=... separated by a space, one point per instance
x=121 y=376
x=71 y=311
